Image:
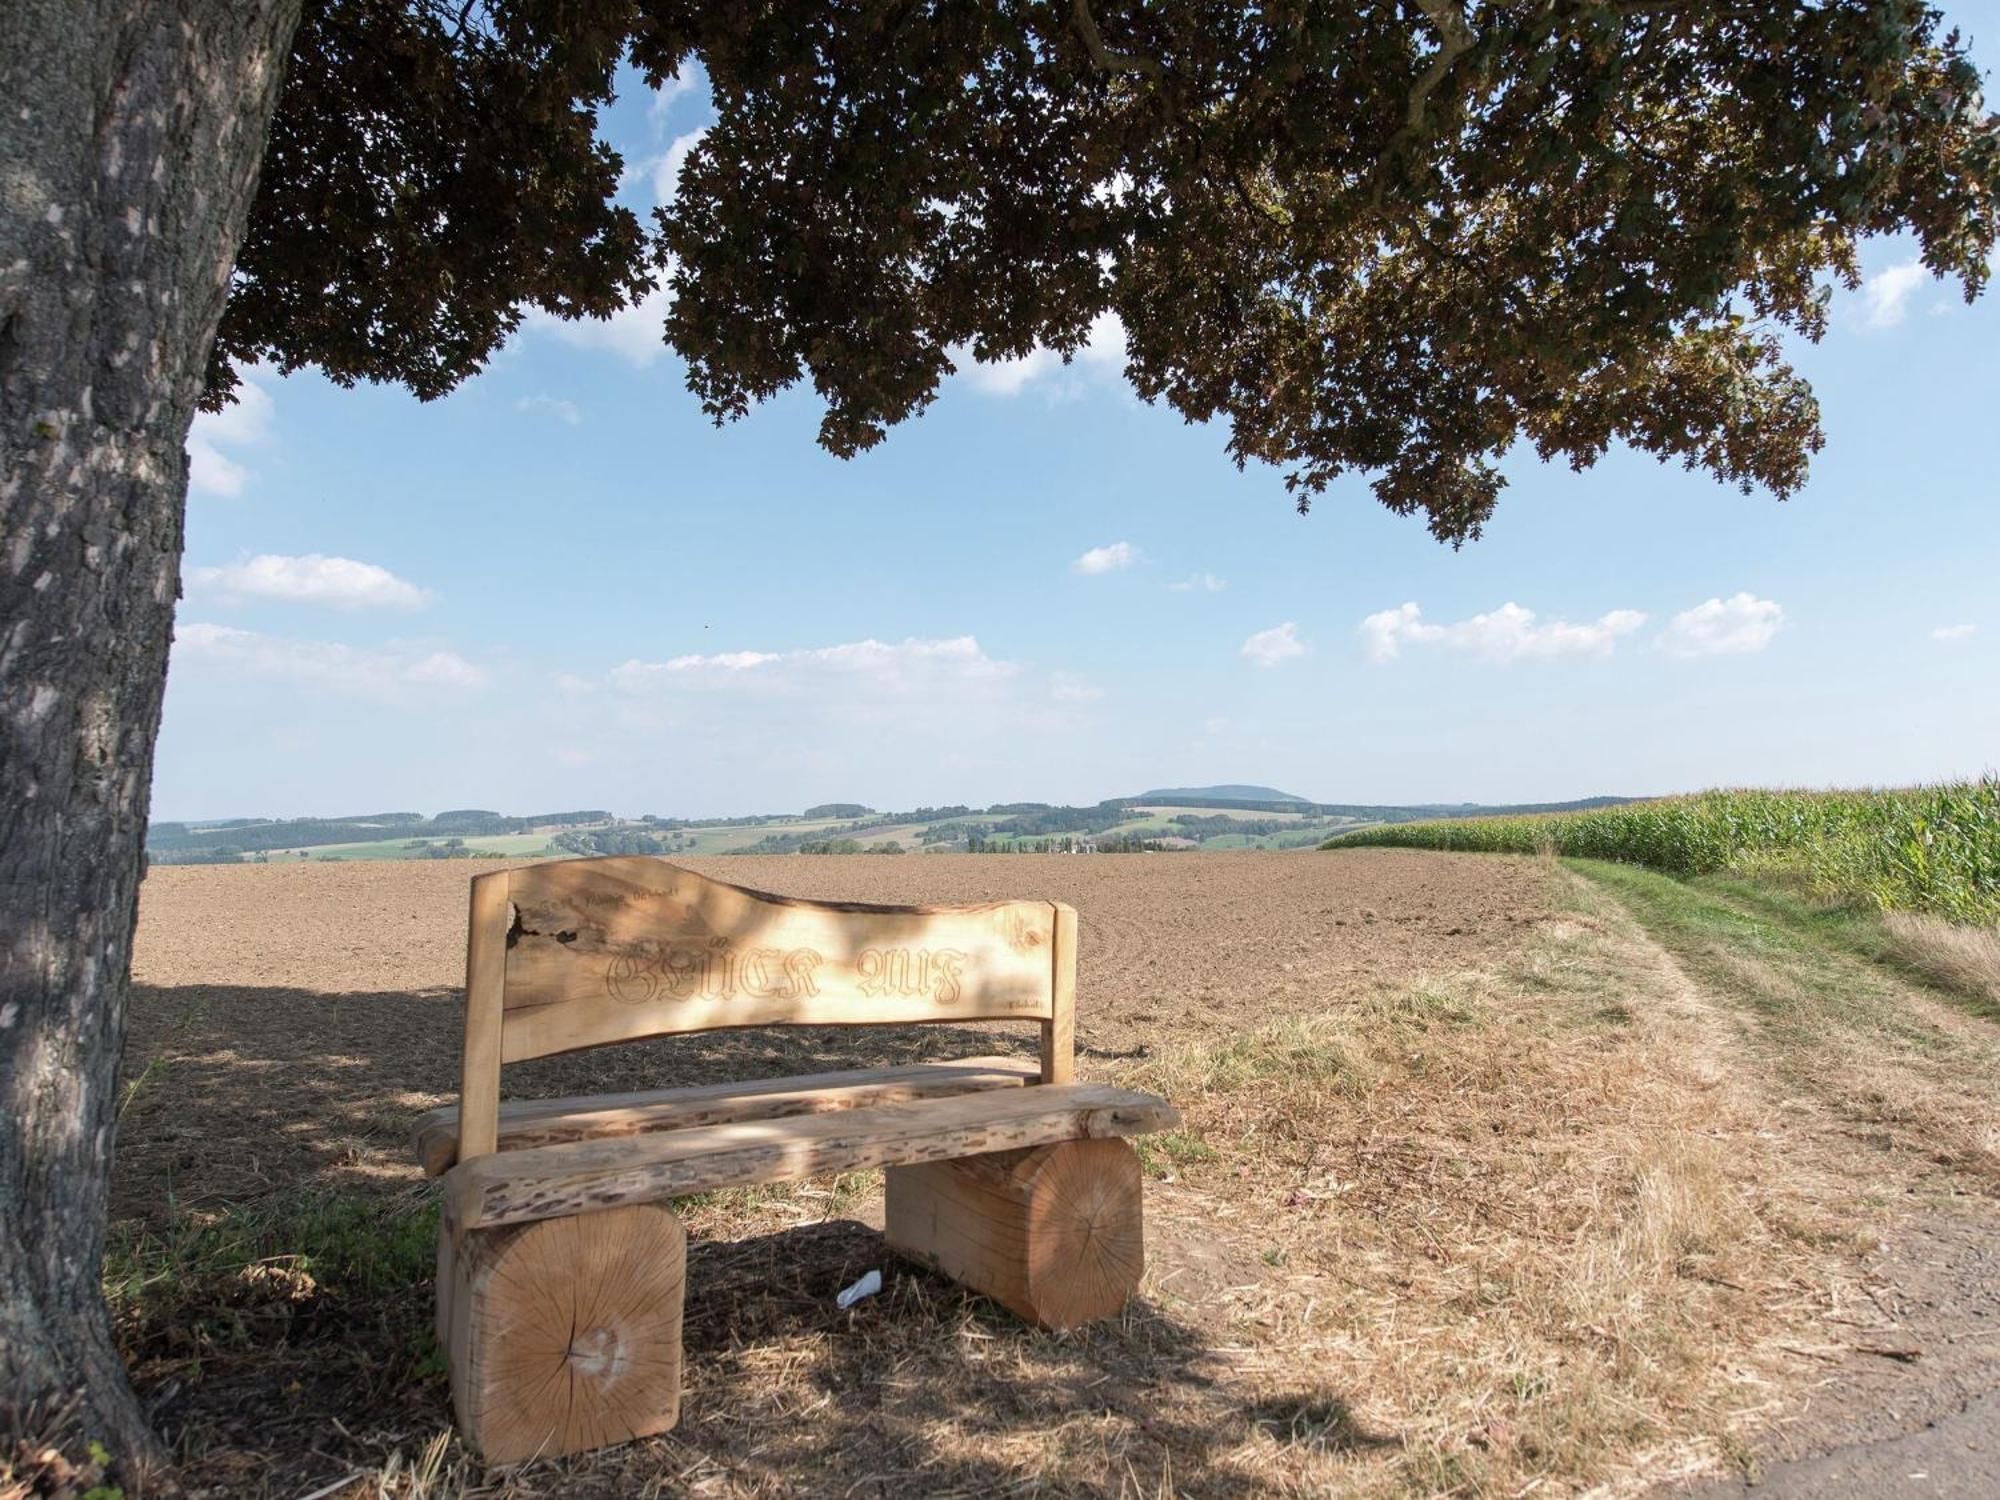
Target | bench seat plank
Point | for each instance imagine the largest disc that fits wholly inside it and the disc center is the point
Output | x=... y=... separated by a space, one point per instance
x=530 y=1123
x=544 y=1182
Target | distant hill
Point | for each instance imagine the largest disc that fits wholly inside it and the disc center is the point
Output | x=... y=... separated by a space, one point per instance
x=1178 y=796
x=1227 y=816
x=226 y=840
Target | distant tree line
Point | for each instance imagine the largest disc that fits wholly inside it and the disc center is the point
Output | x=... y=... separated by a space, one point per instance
x=1002 y=825
x=588 y=841
x=220 y=854
x=1379 y=813
x=1069 y=844
x=1198 y=826
x=453 y=848
x=291 y=833
x=754 y=820
x=1220 y=802
x=779 y=843
x=165 y=842
x=1063 y=820
x=478 y=822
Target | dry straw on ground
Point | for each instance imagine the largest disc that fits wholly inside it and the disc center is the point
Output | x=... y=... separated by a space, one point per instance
x=1964 y=958
x=1479 y=1192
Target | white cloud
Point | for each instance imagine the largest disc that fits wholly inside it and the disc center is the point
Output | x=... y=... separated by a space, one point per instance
x=905 y=667
x=1199 y=583
x=819 y=715
x=635 y=673
x=244 y=424
x=1112 y=558
x=1509 y=633
x=635 y=334
x=444 y=669
x=1885 y=296
x=1102 y=357
x=1267 y=648
x=386 y=671
x=211 y=473
x=1009 y=377
x=691 y=77
x=1104 y=349
x=1734 y=626
x=336 y=582
x=1954 y=632
x=667 y=170
x=563 y=411
x=1067 y=687
x=245 y=420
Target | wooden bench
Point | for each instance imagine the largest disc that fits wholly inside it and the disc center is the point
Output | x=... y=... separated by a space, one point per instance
x=561 y=1265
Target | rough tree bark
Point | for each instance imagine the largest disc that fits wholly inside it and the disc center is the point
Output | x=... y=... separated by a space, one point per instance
x=131 y=132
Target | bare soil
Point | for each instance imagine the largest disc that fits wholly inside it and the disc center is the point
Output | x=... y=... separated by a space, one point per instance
x=1478 y=1193
x=297 y=1017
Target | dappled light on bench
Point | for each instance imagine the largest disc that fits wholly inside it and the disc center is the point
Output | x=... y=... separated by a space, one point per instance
x=560 y=1264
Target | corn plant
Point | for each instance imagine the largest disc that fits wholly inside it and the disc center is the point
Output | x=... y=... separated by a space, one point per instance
x=1932 y=849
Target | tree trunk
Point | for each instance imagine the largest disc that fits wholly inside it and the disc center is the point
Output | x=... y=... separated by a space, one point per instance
x=131 y=132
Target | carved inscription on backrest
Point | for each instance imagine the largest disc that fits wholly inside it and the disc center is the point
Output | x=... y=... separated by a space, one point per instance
x=608 y=950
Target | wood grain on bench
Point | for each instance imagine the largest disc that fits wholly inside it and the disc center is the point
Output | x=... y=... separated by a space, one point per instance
x=612 y=950
x=530 y=1123
x=516 y=1187
x=560 y=1260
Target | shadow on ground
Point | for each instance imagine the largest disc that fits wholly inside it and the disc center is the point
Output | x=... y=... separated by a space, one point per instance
x=924 y=1389
x=238 y=1093
x=281 y=1330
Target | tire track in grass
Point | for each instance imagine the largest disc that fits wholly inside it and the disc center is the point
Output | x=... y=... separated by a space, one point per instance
x=1912 y=1370
x=1810 y=998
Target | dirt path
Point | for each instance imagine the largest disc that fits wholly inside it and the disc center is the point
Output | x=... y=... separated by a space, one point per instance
x=1958 y=1454
x=1905 y=1396
x=1910 y=1403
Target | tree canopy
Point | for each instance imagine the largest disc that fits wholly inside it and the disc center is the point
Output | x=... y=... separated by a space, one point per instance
x=1395 y=238
x=1386 y=239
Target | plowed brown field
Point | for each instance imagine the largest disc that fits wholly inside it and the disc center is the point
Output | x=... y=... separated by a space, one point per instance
x=1478 y=1192
x=303 y=1014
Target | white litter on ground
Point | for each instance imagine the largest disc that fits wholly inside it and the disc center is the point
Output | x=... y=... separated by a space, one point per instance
x=867 y=1286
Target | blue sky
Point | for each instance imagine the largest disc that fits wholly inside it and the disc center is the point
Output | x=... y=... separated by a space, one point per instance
x=561 y=587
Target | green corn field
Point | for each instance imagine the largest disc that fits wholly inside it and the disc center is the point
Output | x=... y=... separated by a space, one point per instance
x=1933 y=849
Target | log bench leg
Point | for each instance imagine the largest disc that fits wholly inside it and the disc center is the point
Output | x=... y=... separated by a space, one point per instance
x=1054 y=1233
x=563 y=1335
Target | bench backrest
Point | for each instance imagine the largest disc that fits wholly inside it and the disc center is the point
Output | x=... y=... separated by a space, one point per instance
x=585 y=952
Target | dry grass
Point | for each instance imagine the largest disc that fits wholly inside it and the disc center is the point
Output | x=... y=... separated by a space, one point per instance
x=1541 y=1221
x=1905 y=1068
x=45 y=1455
x=1537 y=1236
x=1965 y=959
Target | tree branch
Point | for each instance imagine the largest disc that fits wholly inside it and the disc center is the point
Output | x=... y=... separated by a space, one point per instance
x=1249 y=201
x=1106 y=59
x=1455 y=39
